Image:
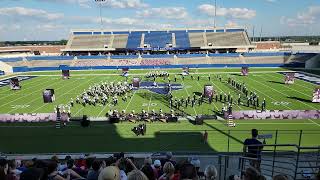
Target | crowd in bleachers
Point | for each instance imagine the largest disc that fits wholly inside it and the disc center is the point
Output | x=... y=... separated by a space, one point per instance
x=123 y=62
x=118 y=167
x=155 y=62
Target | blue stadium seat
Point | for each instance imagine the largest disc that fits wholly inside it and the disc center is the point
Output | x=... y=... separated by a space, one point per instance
x=134 y=40
x=158 y=39
x=49 y=58
x=182 y=39
x=10 y=59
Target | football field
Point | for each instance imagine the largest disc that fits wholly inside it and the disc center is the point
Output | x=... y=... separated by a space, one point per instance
x=182 y=136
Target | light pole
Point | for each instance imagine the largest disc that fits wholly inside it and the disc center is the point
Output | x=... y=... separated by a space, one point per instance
x=215 y=14
x=100 y=7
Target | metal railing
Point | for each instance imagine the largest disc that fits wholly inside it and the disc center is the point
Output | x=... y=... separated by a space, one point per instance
x=298 y=163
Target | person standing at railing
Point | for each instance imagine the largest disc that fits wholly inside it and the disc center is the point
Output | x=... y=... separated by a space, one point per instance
x=252 y=148
x=205 y=137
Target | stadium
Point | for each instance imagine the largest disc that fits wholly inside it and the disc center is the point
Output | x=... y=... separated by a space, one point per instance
x=147 y=98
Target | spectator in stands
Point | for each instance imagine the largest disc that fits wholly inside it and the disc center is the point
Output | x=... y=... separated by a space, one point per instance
x=53 y=174
x=168 y=159
x=70 y=170
x=318 y=176
x=12 y=171
x=148 y=171
x=210 y=173
x=157 y=168
x=110 y=173
x=280 y=177
x=137 y=175
x=252 y=149
x=196 y=163
x=94 y=171
x=3 y=169
x=168 y=171
x=32 y=174
x=147 y=161
x=188 y=171
x=81 y=171
x=252 y=174
x=234 y=177
x=13 y=167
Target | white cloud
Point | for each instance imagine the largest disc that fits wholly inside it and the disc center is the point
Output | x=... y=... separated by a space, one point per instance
x=234 y=13
x=36 y=14
x=167 y=12
x=308 y=17
x=123 y=4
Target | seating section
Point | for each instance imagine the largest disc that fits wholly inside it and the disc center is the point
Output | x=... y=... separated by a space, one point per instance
x=47 y=63
x=134 y=40
x=227 y=39
x=158 y=39
x=196 y=39
x=120 y=41
x=91 y=41
x=155 y=62
x=90 y=63
x=182 y=39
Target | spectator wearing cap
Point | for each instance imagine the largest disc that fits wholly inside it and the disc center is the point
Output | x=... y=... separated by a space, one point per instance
x=196 y=163
x=157 y=168
x=168 y=171
x=3 y=169
x=210 y=173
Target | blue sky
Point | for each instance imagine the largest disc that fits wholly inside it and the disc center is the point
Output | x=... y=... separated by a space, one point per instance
x=53 y=19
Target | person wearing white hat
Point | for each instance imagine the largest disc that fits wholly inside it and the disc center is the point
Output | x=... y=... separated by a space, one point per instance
x=157 y=168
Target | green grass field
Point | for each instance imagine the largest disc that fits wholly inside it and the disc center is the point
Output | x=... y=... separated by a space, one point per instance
x=182 y=136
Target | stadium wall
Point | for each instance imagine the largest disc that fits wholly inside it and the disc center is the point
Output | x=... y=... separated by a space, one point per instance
x=26 y=69
x=178 y=61
x=313 y=63
x=6 y=68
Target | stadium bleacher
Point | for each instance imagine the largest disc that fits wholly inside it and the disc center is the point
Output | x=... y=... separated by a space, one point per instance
x=158 y=39
x=134 y=40
x=181 y=39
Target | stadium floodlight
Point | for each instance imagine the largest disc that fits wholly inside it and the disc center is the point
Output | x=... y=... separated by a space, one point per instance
x=100 y=7
x=215 y=14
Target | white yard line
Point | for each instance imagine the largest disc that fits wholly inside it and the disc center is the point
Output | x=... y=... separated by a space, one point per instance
x=282 y=93
x=150 y=102
x=314 y=122
x=78 y=111
x=30 y=87
x=130 y=100
x=288 y=87
x=106 y=104
x=80 y=84
x=185 y=88
x=26 y=95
